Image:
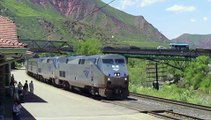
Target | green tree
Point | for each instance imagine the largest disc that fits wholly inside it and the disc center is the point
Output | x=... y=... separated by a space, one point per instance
x=90 y=46
x=197 y=74
x=136 y=69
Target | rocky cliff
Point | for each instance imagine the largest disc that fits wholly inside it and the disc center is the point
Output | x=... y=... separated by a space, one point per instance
x=65 y=19
x=108 y=18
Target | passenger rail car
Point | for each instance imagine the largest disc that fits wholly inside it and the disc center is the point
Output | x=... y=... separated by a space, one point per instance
x=104 y=75
x=179 y=46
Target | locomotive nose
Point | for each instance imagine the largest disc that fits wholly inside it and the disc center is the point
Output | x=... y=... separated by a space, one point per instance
x=117 y=81
x=117 y=74
x=115 y=67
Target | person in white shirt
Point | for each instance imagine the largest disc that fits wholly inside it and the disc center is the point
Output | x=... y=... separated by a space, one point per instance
x=31 y=87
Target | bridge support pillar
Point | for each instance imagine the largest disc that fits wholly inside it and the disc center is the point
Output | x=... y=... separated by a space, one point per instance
x=156 y=73
x=156 y=84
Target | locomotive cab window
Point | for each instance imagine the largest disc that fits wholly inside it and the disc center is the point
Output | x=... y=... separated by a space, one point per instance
x=119 y=61
x=108 y=61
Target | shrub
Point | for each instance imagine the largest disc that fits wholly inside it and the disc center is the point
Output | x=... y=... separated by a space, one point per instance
x=88 y=47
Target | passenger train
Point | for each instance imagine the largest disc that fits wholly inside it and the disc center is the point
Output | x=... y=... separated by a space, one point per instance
x=103 y=75
x=179 y=46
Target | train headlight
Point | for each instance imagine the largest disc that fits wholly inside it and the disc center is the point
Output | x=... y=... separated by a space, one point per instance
x=117 y=74
x=125 y=79
x=109 y=79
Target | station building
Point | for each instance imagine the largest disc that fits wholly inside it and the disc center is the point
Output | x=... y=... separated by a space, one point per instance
x=10 y=51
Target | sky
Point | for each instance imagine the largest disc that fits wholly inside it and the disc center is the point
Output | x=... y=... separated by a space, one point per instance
x=171 y=17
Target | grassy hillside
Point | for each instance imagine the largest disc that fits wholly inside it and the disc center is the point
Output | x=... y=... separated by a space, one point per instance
x=35 y=21
x=28 y=19
x=195 y=40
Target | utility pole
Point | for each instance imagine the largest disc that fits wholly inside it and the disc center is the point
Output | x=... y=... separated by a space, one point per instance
x=156 y=72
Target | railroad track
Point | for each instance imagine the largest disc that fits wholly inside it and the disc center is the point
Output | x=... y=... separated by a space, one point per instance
x=190 y=105
x=173 y=116
x=163 y=113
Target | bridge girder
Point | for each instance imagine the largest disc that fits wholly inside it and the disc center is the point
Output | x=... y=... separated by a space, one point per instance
x=47 y=46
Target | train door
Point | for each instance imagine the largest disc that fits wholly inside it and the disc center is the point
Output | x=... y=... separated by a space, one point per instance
x=93 y=76
x=92 y=79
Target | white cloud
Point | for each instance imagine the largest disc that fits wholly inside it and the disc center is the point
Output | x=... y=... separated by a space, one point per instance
x=209 y=0
x=205 y=18
x=193 y=20
x=141 y=3
x=149 y=2
x=181 y=8
x=125 y=3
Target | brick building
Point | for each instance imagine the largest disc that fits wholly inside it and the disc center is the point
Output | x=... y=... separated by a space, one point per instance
x=10 y=50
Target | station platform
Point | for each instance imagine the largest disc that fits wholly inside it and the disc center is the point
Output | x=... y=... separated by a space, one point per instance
x=51 y=103
x=7 y=109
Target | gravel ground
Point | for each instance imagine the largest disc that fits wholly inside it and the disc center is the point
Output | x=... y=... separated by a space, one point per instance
x=151 y=105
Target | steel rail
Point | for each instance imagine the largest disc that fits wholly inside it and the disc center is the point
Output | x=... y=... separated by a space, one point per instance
x=156 y=113
x=190 y=105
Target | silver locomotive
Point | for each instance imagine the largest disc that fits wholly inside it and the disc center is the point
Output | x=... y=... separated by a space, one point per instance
x=104 y=75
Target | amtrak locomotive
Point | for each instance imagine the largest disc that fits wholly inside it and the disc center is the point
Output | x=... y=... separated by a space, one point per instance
x=104 y=75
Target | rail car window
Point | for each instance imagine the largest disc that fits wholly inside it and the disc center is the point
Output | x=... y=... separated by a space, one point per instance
x=39 y=70
x=62 y=73
x=50 y=61
x=92 y=60
x=119 y=61
x=41 y=60
x=81 y=61
x=108 y=61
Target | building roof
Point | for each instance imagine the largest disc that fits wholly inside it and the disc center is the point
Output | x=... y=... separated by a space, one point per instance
x=8 y=35
x=11 y=44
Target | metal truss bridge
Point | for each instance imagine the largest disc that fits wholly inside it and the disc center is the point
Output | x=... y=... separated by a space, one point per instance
x=178 y=59
x=59 y=46
x=159 y=54
x=47 y=46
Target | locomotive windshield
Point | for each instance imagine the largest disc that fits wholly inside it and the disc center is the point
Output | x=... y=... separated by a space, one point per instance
x=115 y=61
x=108 y=61
x=119 y=61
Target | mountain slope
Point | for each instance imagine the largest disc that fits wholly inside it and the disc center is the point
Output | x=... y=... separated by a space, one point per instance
x=77 y=19
x=195 y=40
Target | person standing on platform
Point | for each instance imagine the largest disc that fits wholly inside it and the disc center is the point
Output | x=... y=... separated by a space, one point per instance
x=12 y=85
x=25 y=88
x=31 y=87
x=20 y=92
x=16 y=95
x=16 y=110
x=20 y=88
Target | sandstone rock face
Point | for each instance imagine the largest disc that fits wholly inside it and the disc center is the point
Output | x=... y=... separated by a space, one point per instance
x=115 y=23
